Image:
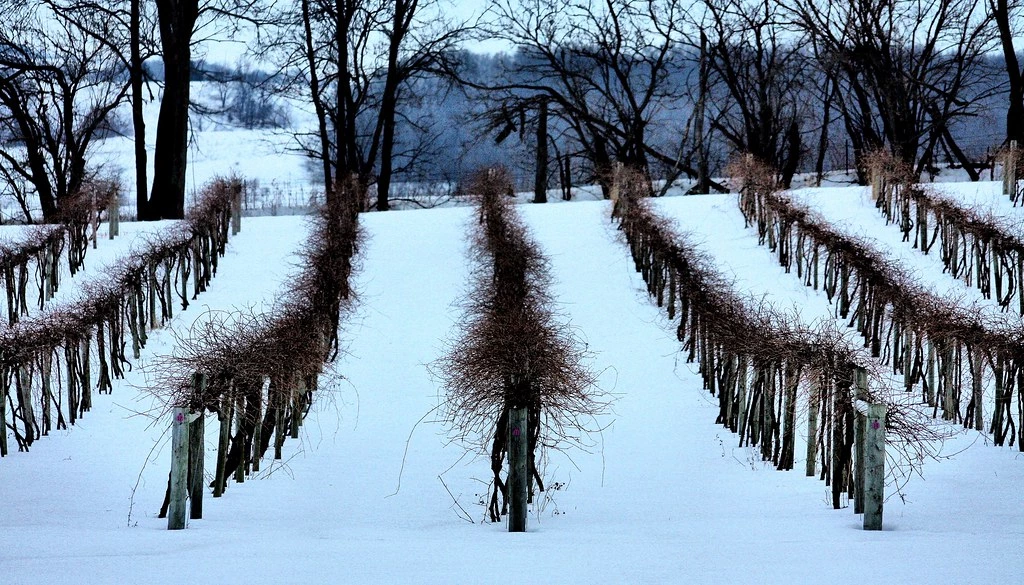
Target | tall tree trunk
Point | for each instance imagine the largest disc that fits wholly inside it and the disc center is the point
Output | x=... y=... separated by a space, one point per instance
x=826 y=120
x=1015 y=76
x=346 y=130
x=138 y=121
x=177 y=22
x=318 y=104
x=699 y=115
x=794 y=149
x=540 y=183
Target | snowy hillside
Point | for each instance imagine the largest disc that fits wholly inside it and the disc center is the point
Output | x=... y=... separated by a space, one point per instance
x=375 y=492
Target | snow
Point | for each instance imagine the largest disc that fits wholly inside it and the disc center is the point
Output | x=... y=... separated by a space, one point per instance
x=662 y=495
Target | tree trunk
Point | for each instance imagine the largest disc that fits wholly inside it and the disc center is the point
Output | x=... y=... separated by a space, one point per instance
x=138 y=121
x=318 y=103
x=1015 y=77
x=177 y=22
x=540 y=183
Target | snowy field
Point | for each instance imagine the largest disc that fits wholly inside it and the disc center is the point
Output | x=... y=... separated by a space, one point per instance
x=375 y=492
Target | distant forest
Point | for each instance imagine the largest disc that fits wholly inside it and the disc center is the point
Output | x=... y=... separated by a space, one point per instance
x=390 y=97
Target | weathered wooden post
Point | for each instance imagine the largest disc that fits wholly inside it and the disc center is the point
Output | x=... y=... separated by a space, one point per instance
x=49 y=266
x=860 y=395
x=3 y=420
x=812 y=427
x=236 y=207
x=518 y=471
x=876 y=183
x=225 y=416
x=197 y=453
x=874 y=466
x=179 y=469
x=239 y=426
x=94 y=217
x=114 y=214
x=1010 y=170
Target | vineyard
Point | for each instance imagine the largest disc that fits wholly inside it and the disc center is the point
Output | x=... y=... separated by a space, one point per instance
x=693 y=368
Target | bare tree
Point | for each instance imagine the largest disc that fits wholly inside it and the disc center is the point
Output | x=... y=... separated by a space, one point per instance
x=178 y=22
x=357 y=61
x=902 y=69
x=603 y=69
x=58 y=87
x=127 y=29
x=759 y=68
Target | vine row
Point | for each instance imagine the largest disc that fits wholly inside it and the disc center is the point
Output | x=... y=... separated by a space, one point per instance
x=940 y=347
x=755 y=359
x=259 y=372
x=44 y=245
x=48 y=360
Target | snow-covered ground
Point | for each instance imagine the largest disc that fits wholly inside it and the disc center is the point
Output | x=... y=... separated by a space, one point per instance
x=375 y=492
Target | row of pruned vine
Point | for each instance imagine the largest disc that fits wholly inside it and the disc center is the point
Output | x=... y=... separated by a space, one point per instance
x=944 y=348
x=977 y=247
x=764 y=366
x=258 y=372
x=52 y=361
x=36 y=257
x=512 y=351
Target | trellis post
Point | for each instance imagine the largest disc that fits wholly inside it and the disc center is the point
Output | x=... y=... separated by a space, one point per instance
x=869 y=476
x=1010 y=171
x=197 y=453
x=3 y=418
x=179 y=469
x=812 y=427
x=220 y=479
x=236 y=209
x=518 y=471
x=874 y=466
x=114 y=215
x=860 y=395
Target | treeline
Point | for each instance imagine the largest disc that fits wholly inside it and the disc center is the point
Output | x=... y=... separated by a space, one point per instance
x=666 y=86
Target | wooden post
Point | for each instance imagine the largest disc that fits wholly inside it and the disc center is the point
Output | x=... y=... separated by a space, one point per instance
x=179 y=469
x=239 y=437
x=977 y=395
x=876 y=184
x=220 y=481
x=48 y=268
x=114 y=215
x=45 y=365
x=197 y=453
x=236 y=209
x=812 y=426
x=518 y=472
x=152 y=297
x=874 y=467
x=861 y=393
x=3 y=415
x=94 y=217
x=257 y=433
x=1010 y=171
x=278 y=400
